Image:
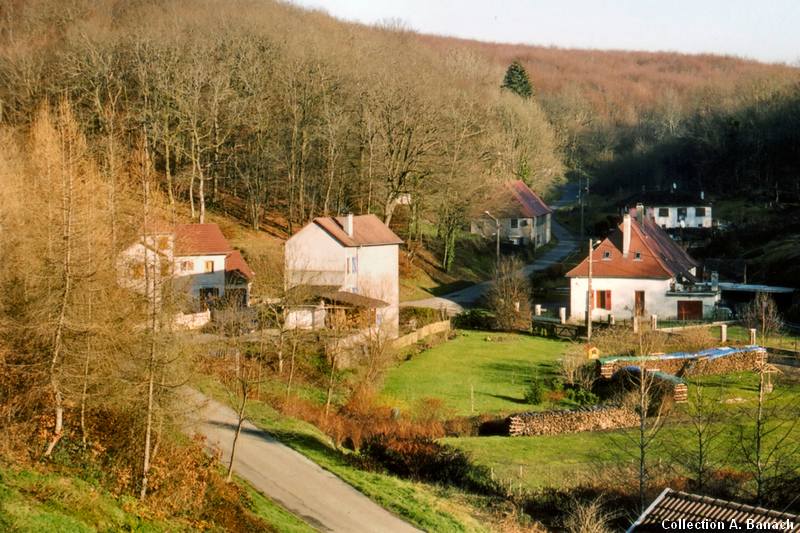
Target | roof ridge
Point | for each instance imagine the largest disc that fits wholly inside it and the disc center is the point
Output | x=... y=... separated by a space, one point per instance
x=643 y=237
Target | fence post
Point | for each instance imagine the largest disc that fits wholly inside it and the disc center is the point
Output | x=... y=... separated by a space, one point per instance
x=653 y=322
x=562 y=314
x=636 y=324
x=723 y=332
x=752 y=336
x=611 y=320
x=537 y=309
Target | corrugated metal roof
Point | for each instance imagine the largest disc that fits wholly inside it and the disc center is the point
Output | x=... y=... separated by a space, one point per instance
x=678 y=509
x=368 y=230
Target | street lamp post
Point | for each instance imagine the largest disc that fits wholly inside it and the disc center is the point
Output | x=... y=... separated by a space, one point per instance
x=497 y=233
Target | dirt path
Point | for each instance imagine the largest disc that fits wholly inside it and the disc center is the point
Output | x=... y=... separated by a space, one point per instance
x=315 y=495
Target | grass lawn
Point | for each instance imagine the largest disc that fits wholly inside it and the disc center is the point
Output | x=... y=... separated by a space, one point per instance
x=781 y=340
x=495 y=372
x=562 y=460
x=431 y=508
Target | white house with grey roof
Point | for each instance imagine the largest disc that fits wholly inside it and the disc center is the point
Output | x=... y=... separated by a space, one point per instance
x=348 y=264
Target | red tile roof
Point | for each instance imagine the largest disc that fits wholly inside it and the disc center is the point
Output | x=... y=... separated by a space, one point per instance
x=368 y=230
x=234 y=262
x=660 y=256
x=200 y=239
x=529 y=203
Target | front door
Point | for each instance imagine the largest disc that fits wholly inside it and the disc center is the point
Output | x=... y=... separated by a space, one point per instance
x=690 y=310
x=639 y=303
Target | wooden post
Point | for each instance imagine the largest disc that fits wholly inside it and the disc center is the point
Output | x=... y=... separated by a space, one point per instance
x=589 y=297
x=752 y=336
x=654 y=322
x=537 y=309
x=562 y=314
x=723 y=333
x=636 y=324
x=472 y=398
x=611 y=320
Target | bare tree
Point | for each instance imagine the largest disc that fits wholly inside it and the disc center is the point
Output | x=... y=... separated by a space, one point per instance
x=762 y=314
x=509 y=297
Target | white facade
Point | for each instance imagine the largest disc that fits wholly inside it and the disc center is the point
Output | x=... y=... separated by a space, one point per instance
x=670 y=217
x=314 y=257
x=198 y=273
x=519 y=231
x=659 y=299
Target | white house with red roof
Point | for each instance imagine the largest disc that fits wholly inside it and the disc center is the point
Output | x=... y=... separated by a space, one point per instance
x=639 y=270
x=196 y=257
x=348 y=264
x=522 y=215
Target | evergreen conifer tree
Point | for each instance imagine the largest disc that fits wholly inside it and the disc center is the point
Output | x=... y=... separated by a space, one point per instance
x=516 y=80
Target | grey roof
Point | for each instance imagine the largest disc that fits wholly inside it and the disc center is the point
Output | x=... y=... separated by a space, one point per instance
x=675 y=506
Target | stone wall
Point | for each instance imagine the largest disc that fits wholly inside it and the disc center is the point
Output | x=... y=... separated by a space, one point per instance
x=421 y=333
x=573 y=421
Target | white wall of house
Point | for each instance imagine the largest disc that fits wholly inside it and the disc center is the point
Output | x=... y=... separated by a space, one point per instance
x=657 y=301
x=670 y=217
x=378 y=277
x=523 y=230
x=193 y=268
x=312 y=256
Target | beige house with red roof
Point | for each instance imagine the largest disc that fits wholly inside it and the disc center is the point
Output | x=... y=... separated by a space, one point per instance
x=523 y=216
x=639 y=270
x=197 y=257
x=348 y=264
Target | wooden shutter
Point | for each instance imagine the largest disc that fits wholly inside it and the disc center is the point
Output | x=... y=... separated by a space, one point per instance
x=608 y=300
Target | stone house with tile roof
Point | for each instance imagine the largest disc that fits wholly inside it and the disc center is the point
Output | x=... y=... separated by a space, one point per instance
x=195 y=257
x=523 y=216
x=345 y=263
x=639 y=270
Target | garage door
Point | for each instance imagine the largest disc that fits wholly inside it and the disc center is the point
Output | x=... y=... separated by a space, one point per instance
x=690 y=310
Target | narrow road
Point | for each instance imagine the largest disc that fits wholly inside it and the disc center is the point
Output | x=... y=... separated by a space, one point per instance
x=455 y=302
x=317 y=496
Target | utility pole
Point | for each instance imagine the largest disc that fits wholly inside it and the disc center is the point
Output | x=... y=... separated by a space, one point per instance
x=497 y=233
x=580 y=201
x=589 y=298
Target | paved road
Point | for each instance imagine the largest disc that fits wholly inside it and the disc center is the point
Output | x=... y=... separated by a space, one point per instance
x=455 y=302
x=318 y=497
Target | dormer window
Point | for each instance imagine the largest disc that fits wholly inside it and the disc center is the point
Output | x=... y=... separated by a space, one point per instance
x=606 y=255
x=637 y=256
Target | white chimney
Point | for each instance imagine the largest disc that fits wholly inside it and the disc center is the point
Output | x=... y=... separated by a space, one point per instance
x=348 y=224
x=626 y=234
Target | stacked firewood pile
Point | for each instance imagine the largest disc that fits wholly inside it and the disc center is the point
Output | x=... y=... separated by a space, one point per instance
x=573 y=421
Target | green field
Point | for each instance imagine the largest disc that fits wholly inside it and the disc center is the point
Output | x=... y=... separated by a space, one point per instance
x=562 y=460
x=485 y=371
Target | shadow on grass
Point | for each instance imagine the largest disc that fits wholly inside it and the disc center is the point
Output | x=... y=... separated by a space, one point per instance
x=520 y=401
x=447 y=288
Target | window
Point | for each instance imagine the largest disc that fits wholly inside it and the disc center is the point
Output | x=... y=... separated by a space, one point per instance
x=208 y=295
x=699 y=224
x=681 y=212
x=209 y=266
x=699 y=211
x=137 y=271
x=163 y=243
x=351 y=265
x=602 y=300
x=637 y=256
x=523 y=223
x=514 y=223
x=663 y=211
x=606 y=255
x=186 y=266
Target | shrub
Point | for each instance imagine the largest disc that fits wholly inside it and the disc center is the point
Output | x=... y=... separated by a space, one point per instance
x=535 y=393
x=419 y=316
x=423 y=459
x=475 y=319
x=583 y=396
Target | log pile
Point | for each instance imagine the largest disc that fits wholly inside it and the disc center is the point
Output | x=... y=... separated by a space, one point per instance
x=573 y=421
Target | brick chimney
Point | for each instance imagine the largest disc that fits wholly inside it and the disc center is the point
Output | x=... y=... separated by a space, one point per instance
x=348 y=224
x=626 y=234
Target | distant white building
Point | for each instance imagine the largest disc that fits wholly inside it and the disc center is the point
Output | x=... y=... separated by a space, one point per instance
x=681 y=216
x=343 y=270
x=639 y=270
x=522 y=215
x=195 y=258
